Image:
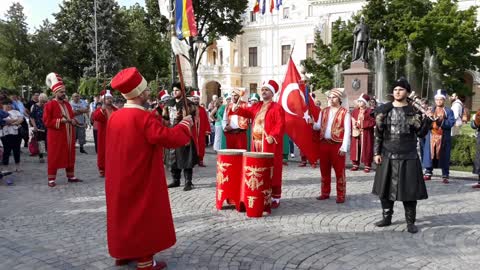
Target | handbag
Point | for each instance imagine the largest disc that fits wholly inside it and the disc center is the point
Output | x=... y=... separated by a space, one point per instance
x=33 y=146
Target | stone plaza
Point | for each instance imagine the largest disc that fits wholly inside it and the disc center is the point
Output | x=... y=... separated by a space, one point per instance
x=65 y=227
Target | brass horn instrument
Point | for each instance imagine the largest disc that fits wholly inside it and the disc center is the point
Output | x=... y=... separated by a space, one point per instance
x=417 y=105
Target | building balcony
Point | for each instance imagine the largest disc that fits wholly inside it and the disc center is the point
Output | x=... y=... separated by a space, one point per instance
x=212 y=69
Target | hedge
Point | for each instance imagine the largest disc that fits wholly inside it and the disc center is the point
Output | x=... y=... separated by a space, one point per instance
x=463 y=150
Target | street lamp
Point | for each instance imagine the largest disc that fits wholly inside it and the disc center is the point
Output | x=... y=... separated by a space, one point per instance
x=199 y=42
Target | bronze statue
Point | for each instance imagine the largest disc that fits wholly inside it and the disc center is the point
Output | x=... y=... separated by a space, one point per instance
x=361 y=38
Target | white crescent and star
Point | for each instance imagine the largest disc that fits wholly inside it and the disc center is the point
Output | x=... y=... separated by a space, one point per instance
x=286 y=92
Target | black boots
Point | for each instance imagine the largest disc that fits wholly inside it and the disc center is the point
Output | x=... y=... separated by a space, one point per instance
x=387 y=218
x=175 y=183
x=188 y=174
x=410 y=216
x=188 y=186
x=82 y=150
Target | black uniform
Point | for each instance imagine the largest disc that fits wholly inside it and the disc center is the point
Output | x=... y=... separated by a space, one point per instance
x=185 y=157
x=399 y=177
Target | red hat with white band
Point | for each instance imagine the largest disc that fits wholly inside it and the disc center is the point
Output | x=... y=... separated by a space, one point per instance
x=364 y=97
x=54 y=82
x=195 y=94
x=163 y=95
x=129 y=82
x=271 y=85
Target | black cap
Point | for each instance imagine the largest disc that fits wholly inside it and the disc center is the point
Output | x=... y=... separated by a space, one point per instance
x=402 y=82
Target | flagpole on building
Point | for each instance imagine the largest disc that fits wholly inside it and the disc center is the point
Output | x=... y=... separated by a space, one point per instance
x=96 y=38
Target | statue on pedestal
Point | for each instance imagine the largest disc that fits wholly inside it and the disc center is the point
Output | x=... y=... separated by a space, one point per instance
x=361 y=38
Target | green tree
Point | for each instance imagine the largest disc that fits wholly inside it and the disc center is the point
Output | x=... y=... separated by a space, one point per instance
x=454 y=37
x=75 y=31
x=45 y=58
x=149 y=42
x=215 y=18
x=338 y=52
x=15 y=56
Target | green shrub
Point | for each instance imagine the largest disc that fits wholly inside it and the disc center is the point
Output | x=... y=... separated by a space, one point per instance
x=463 y=150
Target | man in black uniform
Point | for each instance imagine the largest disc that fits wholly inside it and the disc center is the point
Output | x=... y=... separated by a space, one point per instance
x=399 y=174
x=186 y=157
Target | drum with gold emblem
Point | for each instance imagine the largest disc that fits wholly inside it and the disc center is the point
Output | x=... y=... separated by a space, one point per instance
x=257 y=182
x=229 y=176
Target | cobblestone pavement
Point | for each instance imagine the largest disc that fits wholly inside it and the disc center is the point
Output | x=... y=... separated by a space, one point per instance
x=64 y=227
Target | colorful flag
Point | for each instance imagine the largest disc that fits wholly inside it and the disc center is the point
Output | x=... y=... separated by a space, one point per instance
x=297 y=113
x=256 y=7
x=264 y=6
x=186 y=26
x=279 y=3
x=272 y=6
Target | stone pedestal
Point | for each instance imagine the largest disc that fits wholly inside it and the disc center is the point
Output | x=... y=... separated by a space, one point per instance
x=356 y=81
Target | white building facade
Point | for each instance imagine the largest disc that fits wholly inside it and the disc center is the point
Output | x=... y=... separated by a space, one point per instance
x=263 y=50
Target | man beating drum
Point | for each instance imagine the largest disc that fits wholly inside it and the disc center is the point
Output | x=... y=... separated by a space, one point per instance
x=267 y=132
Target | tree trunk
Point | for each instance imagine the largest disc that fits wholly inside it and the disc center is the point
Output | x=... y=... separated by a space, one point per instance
x=193 y=65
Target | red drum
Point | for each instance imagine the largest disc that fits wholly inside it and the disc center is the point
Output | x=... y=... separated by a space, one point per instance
x=257 y=182
x=229 y=177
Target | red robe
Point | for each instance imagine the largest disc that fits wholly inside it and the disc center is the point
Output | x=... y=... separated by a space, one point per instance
x=275 y=127
x=203 y=127
x=101 y=116
x=60 y=137
x=236 y=140
x=361 y=147
x=139 y=218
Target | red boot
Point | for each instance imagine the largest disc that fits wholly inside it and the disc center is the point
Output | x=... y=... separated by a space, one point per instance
x=323 y=197
x=476 y=186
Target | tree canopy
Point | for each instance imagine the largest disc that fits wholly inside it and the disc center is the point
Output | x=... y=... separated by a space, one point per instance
x=431 y=28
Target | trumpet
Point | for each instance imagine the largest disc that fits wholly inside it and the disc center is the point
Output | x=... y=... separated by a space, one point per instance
x=412 y=100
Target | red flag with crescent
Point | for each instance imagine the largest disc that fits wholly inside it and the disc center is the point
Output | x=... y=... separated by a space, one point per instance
x=297 y=113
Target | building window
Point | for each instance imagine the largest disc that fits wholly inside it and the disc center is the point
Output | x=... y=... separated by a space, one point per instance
x=253 y=16
x=214 y=58
x=286 y=13
x=235 y=58
x=253 y=88
x=310 y=11
x=221 y=57
x=310 y=50
x=252 y=57
x=285 y=54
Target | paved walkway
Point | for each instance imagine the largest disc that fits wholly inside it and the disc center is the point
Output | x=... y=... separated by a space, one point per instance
x=64 y=227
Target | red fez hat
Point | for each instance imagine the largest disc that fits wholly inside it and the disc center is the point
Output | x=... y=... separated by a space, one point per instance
x=271 y=85
x=163 y=94
x=54 y=82
x=129 y=82
x=195 y=94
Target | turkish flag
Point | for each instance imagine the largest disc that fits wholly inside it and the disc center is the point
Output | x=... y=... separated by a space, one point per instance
x=297 y=113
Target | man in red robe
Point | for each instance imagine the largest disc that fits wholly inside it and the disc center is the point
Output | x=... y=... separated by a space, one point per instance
x=267 y=132
x=334 y=125
x=60 y=121
x=361 y=148
x=235 y=126
x=101 y=115
x=202 y=127
x=139 y=218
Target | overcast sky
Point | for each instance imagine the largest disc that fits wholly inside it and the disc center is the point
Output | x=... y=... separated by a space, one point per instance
x=39 y=10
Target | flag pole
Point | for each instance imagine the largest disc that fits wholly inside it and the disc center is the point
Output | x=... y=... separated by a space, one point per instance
x=177 y=61
x=182 y=84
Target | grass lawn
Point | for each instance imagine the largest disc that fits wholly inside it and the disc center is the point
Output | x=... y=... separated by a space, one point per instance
x=461 y=168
